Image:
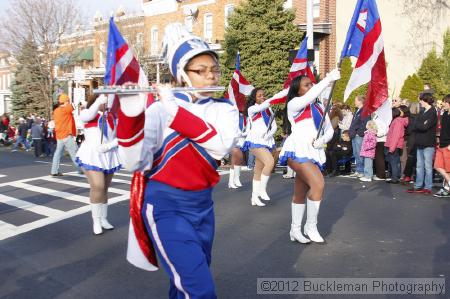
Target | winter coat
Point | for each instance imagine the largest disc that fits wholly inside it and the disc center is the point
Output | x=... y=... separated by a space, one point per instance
x=358 y=125
x=396 y=134
x=425 y=128
x=369 y=145
x=37 y=131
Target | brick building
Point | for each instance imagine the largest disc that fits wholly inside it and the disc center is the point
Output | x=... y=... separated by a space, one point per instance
x=205 y=18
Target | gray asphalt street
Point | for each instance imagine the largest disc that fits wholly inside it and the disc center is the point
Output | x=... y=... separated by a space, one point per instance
x=372 y=229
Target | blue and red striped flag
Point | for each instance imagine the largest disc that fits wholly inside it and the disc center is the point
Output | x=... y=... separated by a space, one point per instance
x=239 y=88
x=364 y=41
x=121 y=66
x=299 y=67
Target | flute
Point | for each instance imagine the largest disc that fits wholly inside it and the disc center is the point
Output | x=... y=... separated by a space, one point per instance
x=131 y=89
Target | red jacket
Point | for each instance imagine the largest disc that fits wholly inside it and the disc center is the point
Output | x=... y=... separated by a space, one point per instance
x=396 y=133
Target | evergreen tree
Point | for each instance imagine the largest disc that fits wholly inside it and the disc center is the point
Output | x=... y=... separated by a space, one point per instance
x=27 y=94
x=412 y=86
x=432 y=71
x=341 y=84
x=264 y=32
x=446 y=58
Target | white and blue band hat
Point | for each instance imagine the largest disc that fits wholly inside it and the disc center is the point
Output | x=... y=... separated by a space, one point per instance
x=180 y=46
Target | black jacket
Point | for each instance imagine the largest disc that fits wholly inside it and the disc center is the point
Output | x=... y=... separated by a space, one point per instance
x=358 y=125
x=343 y=148
x=410 y=134
x=425 y=128
x=444 y=139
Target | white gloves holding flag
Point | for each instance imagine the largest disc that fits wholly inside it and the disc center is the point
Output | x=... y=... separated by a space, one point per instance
x=267 y=135
x=318 y=143
x=334 y=75
x=106 y=147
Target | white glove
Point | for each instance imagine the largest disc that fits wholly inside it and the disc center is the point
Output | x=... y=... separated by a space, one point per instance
x=102 y=99
x=167 y=98
x=267 y=136
x=318 y=143
x=105 y=147
x=133 y=104
x=334 y=75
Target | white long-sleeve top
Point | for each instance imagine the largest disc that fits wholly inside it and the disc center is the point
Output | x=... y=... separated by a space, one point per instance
x=305 y=112
x=260 y=134
x=92 y=119
x=180 y=151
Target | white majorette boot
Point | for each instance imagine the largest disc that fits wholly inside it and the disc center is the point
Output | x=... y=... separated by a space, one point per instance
x=255 y=193
x=263 y=187
x=231 y=184
x=237 y=176
x=310 y=229
x=96 y=209
x=289 y=173
x=103 y=220
x=296 y=225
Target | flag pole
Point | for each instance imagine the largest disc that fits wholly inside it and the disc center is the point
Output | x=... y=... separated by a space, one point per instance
x=327 y=108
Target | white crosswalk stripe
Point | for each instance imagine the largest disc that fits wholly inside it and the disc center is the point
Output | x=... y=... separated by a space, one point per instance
x=48 y=215
x=46 y=186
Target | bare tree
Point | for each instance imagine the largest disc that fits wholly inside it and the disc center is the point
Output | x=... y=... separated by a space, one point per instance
x=45 y=22
x=425 y=15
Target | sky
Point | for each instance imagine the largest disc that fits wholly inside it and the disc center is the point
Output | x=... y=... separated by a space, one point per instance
x=89 y=7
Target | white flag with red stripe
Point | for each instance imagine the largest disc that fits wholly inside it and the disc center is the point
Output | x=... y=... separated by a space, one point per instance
x=299 y=67
x=364 y=41
x=239 y=88
x=121 y=66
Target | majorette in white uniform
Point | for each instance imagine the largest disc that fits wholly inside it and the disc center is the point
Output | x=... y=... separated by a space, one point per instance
x=305 y=114
x=260 y=135
x=88 y=156
x=243 y=131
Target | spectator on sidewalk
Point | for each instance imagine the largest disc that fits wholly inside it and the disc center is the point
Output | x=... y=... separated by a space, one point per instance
x=356 y=132
x=442 y=161
x=410 y=138
x=65 y=133
x=22 y=132
x=347 y=117
x=37 y=133
x=368 y=147
x=394 y=143
x=342 y=152
x=425 y=130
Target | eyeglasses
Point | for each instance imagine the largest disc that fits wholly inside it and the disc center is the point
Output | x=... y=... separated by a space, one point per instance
x=205 y=71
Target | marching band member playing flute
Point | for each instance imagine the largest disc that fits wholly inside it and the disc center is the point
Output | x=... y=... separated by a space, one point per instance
x=305 y=154
x=176 y=142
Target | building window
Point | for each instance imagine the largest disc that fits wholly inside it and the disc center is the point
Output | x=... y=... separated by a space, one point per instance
x=101 y=58
x=317 y=58
x=316 y=8
x=189 y=23
x=8 y=81
x=139 y=40
x=208 y=27
x=228 y=11
x=154 y=41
